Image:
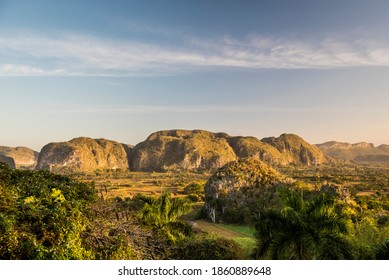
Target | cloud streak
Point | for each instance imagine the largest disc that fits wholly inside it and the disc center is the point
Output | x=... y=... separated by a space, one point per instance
x=82 y=55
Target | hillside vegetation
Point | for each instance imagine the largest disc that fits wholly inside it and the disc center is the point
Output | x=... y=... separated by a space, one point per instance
x=236 y=192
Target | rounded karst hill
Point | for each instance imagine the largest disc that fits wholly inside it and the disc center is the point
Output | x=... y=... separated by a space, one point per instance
x=23 y=157
x=83 y=154
x=175 y=150
x=296 y=149
x=233 y=193
x=251 y=147
x=349 y=152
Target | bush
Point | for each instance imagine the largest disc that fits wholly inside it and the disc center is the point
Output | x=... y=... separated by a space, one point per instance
x=42 y=215
x=207 y=248
x=195 y=192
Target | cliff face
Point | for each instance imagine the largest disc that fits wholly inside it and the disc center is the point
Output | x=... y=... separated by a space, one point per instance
x=84 y=155
x=175 y=150
x=356 y=152
x=296 y=150
x=251 y=147
x=22 y=157
x=182 y=150
x=203 y=150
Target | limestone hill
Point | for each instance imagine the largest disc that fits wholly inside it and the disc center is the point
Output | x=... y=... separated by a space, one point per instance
x=22 y=157
x=296 y=150
x=251 y=147
x=204 y=150
x=83 y=155
x=182 y=150
x=237 y=187
x=365 y=152
x=169 y=150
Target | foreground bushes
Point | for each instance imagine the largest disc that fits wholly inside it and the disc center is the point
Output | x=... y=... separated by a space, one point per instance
x=42 y=216
x=207 y=248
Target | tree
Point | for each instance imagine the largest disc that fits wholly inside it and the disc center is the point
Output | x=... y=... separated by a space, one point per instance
x=163 y=213
x=302 y=230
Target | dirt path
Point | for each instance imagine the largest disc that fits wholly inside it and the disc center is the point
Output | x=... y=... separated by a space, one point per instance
x=218 y=229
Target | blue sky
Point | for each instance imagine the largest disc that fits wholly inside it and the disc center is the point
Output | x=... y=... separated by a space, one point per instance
x=124 y=69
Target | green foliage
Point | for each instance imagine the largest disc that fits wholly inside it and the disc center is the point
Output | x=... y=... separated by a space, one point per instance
x=42 y=215
x=247 y=244
x=246 y=230
x=303 y=230
x=195 y=192
x=163 y=214
x=237 y=190
x=371 y=226
x=207 y=248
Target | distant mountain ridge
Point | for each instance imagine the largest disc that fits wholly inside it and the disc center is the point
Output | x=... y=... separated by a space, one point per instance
x=359 y=152
x=187 y=150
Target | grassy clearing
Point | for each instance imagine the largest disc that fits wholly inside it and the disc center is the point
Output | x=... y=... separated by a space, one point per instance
x=247 y=244
x=227 y=231
x=246 y=230
x=242 y=235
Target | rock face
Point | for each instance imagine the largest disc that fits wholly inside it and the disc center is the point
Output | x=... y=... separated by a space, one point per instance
x=296 y=150
x=237 y=188
x=251 y=147
x=364 y=152
x=176 y=150
x=182 y=150
x=22 y=157
x=204 y=150
x=7 y=160
x=83 y=155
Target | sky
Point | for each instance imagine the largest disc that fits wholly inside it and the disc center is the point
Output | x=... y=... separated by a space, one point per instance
x=122 y=70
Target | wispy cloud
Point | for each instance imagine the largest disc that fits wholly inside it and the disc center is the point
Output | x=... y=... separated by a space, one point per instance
x=81 y=55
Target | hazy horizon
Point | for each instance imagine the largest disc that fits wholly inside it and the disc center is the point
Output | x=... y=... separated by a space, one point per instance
x=122 y=70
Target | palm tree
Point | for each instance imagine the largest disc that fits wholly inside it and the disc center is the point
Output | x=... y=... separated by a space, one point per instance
x=163 y=213
x=311 y=230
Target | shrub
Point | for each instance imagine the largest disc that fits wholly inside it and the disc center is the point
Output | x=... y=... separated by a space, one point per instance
x=207 y=248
